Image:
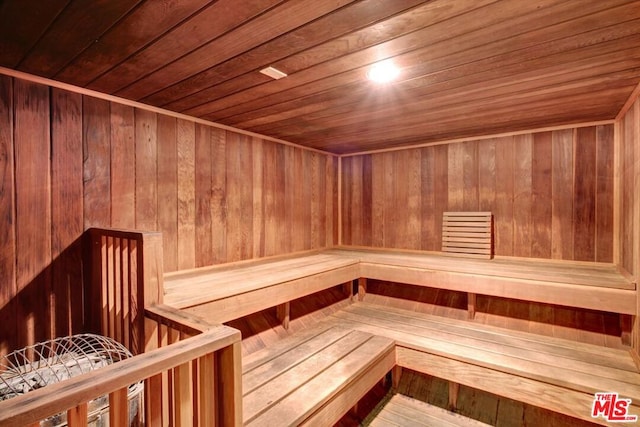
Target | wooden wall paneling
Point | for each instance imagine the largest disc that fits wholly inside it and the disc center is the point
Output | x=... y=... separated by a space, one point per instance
x=318 y=200
x=8 y=290
x=146 y=135
x=203 y=197
x=627 y=224
x=33 y=211
x=411 y=197
x=246 y=196
x=168 y=189
x=354 y=201
x=562 y=194
x=347 y=201
x=123 y=163
x=634 y=117
x=257 y=168
x=470 y=176
x=367 y=201
x=297 y=201
x=399 y=199
x=584 y=195
x=186 y=194
x=303 y=166
x=604 y=193
x=281 y=191
x=269 y=194
x=377 y=199
x=390 y=209
x=331 y=206
x=635 y=185
x=486 y=174
x=522 y=194
x=455 y=177
x=236 y=216
x=428 y=232
x=66 y=211
x=289 y=199
x=219 y=195
x=503 y=212
x=96 y=134
x=541 y=184
x=441 y=155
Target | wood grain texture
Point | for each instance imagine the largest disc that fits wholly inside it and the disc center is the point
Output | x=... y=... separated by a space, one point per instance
x=85 y=162
x=8 y=288
x=469 y=68
x=628 y=178
x=66 y=211
x=33 y=210
x=543 y=188
x=123 y=160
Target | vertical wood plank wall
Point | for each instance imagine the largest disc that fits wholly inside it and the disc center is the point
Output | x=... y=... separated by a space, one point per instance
x=628 y=134
x=69 y=162
x=551 y=193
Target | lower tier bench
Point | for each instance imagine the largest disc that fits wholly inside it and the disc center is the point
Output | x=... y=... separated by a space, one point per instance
x=314 y=377
x=552 y=373
x=403 y=411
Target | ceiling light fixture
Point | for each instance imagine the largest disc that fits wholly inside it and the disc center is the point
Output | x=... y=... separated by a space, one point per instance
x=273 y=73
x=383 y=72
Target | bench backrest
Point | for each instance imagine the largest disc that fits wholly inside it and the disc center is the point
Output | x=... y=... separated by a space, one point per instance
x=467 y=234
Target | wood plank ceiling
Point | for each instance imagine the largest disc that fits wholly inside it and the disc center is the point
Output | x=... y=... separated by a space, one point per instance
x=468 y=67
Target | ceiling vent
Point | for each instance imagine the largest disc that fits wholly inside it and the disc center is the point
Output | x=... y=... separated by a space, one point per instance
x=273 y=73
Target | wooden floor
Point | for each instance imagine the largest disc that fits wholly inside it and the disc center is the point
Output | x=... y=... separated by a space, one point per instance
x=263 y=329
x=403 y=411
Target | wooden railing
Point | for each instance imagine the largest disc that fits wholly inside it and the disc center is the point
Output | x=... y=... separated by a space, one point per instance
x=126 y=269
x=205 y=350
x=125 y=278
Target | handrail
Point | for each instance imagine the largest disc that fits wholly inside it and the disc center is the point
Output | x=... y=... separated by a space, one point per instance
x=179 y=320
x=45 y=402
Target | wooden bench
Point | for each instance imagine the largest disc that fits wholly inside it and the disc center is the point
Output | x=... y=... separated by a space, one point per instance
x=552 y=373
x=590 y=285
x=404 y=411
x=230 y=291
x=313 y=377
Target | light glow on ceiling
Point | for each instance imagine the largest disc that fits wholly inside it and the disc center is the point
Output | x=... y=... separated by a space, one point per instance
x=383 y=72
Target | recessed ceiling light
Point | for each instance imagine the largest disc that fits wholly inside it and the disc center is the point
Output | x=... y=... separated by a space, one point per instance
x=273 y=73
x=383 y=72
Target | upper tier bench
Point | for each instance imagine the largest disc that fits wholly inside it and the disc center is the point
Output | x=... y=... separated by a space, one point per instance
x=596 y=286
x=230 y=291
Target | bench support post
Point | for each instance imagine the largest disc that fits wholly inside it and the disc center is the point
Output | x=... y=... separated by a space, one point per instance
x=283 y=313
x=362 y=288
x=626 y=326
x=396 y=374
x=454 y=388
x=348 y=289
x=471 y=305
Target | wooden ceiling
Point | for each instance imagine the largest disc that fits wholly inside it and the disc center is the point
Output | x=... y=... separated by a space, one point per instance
x=468 y=67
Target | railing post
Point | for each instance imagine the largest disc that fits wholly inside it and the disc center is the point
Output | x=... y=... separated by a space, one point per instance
x=230 y=385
